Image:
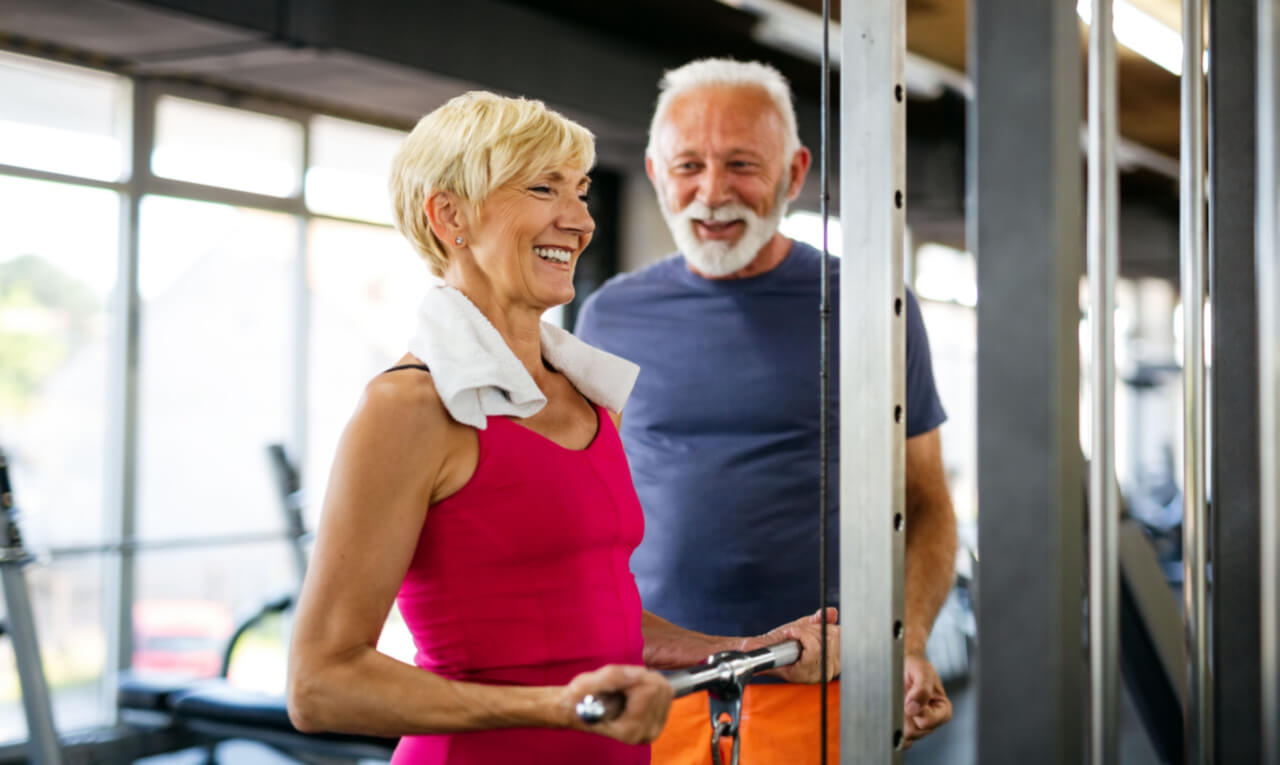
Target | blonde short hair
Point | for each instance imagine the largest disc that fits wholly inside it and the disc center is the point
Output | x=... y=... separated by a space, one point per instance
x=727 y=73
x=472 y=145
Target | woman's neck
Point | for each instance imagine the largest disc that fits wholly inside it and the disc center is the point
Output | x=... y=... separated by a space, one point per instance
x=519 y=325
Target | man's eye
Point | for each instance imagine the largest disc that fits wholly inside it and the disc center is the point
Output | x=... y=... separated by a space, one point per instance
x=584 y=197
x=541 y=189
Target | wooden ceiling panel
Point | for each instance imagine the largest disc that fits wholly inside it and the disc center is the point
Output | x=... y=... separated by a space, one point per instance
x=1168 y=12
x=1149 y=95
x=937 y=30
x=1150 y=102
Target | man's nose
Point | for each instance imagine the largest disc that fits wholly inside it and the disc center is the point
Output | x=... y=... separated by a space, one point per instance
x=715 y=188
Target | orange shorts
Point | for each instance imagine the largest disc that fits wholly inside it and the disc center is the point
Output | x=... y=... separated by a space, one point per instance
x=779 y=726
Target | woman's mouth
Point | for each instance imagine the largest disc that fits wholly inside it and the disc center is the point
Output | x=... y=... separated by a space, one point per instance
x=553 y=254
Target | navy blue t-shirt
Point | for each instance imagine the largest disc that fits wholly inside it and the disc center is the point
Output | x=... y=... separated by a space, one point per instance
x=722 y=435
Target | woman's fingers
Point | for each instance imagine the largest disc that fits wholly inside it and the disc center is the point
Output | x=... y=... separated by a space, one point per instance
x=647 y=699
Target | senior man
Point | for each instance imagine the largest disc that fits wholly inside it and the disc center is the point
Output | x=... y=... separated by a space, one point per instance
x=722 y=428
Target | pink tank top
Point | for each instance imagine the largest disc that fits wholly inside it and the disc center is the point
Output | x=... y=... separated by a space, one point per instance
x=523 y=578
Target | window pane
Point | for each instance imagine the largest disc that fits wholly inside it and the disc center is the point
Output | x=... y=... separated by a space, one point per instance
x=55 y=284
x=67 y=600
x=217 y=315
x=63 y=118
x=953 y=341
x=13 y=722
x=366 y=284
x=946 y=274
x=188 y=602
x=350 y=163
x=232 y=148
x=805 y=226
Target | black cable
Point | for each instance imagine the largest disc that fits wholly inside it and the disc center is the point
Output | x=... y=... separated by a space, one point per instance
x=824 y=364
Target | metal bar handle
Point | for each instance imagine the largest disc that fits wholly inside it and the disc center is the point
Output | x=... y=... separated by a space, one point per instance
x=1104 y=503
x=719 y=670
x=730 y=666
x=1268 y=297
x=1198 y=713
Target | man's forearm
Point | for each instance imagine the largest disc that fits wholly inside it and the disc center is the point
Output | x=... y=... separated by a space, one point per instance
x=668 y=646
x=930 y=565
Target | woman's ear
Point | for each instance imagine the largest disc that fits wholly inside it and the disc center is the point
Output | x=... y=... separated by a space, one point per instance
x=446 y=215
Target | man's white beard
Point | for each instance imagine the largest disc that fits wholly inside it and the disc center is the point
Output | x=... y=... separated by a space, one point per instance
x=715 y=258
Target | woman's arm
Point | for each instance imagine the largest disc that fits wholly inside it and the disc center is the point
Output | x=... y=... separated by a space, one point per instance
x=388 y=465
x=399 y=454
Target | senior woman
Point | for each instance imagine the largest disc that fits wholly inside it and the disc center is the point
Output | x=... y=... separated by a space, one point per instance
x=482 y=483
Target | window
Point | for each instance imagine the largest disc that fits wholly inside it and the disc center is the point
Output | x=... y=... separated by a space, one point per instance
x=13 y=723
x=188 y=601
x=805 y=226
x=56 y=282
x=58 y=264
x=63 y=119
x=217 y=349
x=350 y=163
x=946 y=274
x=945 y=281
x=68 y=600
x=216 y=353
x=231 y=148
x=953 y=343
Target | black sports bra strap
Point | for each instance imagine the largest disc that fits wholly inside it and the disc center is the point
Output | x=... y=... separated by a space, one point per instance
x=423 y=367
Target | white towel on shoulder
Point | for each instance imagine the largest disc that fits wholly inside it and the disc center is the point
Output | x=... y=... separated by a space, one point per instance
x=477 y=375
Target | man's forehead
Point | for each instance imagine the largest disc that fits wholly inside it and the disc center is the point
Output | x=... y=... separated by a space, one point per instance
x=745 y=111
x=722 y=98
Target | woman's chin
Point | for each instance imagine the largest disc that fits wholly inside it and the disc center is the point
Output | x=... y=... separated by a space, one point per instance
x=552 y=295
x=560 y=301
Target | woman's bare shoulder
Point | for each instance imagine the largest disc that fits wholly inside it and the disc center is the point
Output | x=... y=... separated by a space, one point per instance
x=404 y=412
x=402 y=407
x=407 y=388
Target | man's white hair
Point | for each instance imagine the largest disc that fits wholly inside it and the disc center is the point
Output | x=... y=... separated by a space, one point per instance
x=726 y=72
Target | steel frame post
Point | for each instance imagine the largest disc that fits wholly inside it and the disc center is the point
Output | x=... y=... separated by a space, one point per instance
x=1233 y=381
x=872 y=377
x=1025 y=227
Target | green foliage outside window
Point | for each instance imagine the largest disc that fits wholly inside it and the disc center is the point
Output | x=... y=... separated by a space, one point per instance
x=45 y=315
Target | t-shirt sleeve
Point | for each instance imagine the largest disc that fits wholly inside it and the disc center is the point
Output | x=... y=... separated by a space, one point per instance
x=587 y=325
x=924 y=407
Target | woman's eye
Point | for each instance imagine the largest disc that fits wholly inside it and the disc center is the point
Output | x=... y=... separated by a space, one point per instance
x=584 y=197
x=541 y=189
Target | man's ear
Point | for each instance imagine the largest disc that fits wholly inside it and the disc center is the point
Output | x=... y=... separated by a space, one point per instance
x=446 y=215
x=799 y=169
x=649 y=169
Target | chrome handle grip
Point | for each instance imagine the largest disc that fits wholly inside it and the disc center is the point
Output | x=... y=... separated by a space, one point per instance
x=602 y=708
x=719 y=670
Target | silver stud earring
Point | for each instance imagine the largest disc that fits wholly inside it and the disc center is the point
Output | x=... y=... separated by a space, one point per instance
x=458 y=241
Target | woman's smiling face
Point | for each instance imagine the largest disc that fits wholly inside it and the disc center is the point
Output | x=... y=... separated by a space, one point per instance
x=528 y=237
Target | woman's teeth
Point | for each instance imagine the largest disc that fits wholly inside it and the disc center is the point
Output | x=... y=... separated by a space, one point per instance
x=552 y=254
